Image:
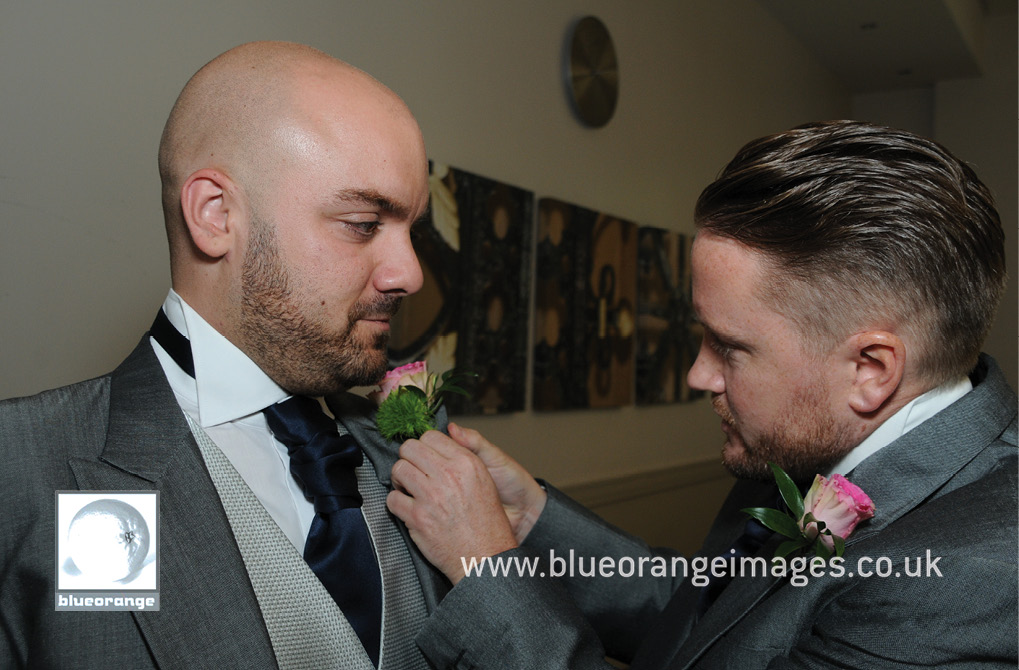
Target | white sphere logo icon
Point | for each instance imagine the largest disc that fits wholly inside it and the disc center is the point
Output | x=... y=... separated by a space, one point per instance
x=108 y=539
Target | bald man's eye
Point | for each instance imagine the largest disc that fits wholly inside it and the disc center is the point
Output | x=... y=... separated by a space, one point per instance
x=363 y=229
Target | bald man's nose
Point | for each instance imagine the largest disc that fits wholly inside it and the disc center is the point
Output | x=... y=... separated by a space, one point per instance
x=398 y=270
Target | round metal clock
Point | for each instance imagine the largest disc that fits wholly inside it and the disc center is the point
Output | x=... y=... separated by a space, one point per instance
x=592 y=72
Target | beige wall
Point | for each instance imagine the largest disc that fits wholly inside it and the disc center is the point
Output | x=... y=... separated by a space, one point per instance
x=976 y=119
x=88 y=85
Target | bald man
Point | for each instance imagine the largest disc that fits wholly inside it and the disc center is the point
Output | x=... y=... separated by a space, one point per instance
x=290 y=182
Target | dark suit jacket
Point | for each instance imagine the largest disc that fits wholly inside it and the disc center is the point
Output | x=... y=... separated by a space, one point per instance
x=125 y=431
x=948 y=487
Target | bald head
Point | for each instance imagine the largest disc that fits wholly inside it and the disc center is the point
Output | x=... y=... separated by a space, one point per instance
x=291 y=181
x=237 y=114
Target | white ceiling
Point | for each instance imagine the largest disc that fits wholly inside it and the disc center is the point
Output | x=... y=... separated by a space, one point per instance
x=875 y=45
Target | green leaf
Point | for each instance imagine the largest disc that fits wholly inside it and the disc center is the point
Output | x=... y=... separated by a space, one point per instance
x=788 y=547
x=821 y=549
x=840 y=545
x=414 y=390
x=449 y=382
x=775 y=520
x=455 y=377
x=788 y=489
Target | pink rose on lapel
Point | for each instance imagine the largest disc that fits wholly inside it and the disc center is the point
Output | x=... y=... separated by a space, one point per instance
x=839 y=504
x=821 y=521
x=412 y=374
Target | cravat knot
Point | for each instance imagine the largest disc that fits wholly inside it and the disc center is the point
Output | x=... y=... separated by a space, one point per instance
x=321 y=460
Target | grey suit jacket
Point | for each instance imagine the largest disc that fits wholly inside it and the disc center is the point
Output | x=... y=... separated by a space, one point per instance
x=125 y=431
x=948 y=487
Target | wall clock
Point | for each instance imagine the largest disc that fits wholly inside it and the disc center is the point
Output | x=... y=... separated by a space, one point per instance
x=592 y=72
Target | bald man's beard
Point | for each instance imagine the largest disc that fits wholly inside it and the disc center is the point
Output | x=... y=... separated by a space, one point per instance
x=304 y=357
x=805 y=441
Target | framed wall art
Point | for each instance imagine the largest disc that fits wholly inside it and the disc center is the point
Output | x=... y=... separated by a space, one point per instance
x=585 y=302
x=667 y=335
x=472 y=313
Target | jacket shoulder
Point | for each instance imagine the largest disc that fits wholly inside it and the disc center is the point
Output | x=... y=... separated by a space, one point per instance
x=71 y=415
x=972 y=518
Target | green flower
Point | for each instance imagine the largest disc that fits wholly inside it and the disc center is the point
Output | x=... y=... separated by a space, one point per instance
x=404 y=414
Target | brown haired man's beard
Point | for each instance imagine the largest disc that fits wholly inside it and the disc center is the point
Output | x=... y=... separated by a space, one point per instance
x=808 y=443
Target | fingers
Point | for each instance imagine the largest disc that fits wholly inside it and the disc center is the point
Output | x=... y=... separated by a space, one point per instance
x=440 y=443
x=434 y=460
x=400 y=504
x=459 y=438
x=472 y=440
x=492 y=456
x=465 y=455
x=406 y=476
x=450 y=506
x=432 y=453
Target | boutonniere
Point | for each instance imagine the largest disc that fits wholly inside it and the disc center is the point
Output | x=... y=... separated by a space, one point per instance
x=408 y=398
x=822 y=520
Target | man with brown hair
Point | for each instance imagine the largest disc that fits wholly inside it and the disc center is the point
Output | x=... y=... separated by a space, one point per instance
x=846 y=275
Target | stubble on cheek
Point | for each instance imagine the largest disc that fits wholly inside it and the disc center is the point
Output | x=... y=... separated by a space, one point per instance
x=804 y=441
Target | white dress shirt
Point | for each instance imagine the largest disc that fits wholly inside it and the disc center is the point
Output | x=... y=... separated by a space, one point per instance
x=911 y=415
x=226 y=399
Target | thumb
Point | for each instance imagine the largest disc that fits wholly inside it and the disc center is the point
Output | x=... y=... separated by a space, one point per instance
x=473 y=441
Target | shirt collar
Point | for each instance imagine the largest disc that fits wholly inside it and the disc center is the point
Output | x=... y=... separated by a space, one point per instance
x=911 y=415
x=228 y=385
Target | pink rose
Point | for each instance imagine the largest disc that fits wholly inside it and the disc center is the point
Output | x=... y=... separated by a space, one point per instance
x=839 y=503
x=412 y=374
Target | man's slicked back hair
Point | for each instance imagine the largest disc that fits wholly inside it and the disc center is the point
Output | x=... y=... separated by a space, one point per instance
x=866 y=227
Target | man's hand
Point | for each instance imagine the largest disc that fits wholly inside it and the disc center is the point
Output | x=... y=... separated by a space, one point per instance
x=449 y=502
x=521 y=497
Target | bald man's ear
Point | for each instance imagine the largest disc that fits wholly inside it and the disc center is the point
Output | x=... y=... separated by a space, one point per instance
x=208 y=204
x=879 y=362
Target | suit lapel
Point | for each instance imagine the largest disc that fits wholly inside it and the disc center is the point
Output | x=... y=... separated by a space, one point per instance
x=733 y=603
x=208 y=613
x=680 y=637
x=357 y=414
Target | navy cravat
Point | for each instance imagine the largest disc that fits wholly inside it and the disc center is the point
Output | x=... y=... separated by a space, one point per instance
x=339 y=548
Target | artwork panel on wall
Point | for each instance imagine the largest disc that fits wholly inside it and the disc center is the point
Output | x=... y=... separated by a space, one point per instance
x=472 y=313
x=585 y=302
x=667 y=335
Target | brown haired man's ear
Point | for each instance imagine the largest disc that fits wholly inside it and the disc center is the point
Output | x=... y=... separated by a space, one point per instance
x=879 y=360
x=207 y=202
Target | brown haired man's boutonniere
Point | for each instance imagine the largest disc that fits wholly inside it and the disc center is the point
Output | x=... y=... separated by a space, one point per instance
x=822 y=520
